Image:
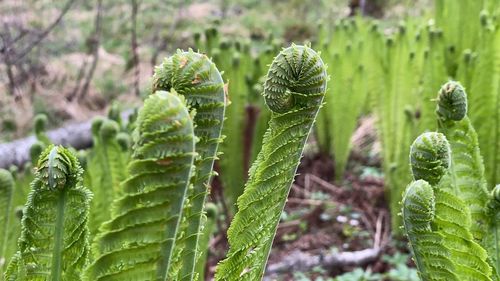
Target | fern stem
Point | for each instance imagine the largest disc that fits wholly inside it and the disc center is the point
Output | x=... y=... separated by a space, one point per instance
x=58 y=235
x=294 y=91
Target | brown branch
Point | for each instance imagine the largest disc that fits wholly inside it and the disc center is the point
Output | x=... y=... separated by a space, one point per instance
x=95 y=43
x=43 y=34
x=6 y=42
x=165 y=39
x=134 y=45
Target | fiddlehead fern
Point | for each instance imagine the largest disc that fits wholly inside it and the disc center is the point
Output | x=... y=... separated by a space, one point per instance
x=431 y=257
x=294 y=90
x=137 y=243
x=438 y=222
x=54 y=239
x=195 y=77
x=430 y=157
x=467 y=169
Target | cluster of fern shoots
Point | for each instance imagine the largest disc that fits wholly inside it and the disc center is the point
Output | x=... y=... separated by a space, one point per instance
x=147 y=222
x=450 y=214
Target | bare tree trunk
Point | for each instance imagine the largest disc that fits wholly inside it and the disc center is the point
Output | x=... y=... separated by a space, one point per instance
x=5 y=51
x=96 y=40
x=164 y=40
x=13 y=58
x=135 y=55
x=44 y=33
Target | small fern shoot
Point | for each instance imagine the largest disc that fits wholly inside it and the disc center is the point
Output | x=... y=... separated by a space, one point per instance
x=294 y=91
x=438 y=222
x=54 y=239
x=137 y=243
x=6 y=195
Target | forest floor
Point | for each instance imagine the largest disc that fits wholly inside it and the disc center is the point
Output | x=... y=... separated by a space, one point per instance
x=321 y=218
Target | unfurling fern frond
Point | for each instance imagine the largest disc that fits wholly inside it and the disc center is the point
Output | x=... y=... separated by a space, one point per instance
x=467 y=167
x=294 y=91
x=431 y=256
x=195 y=77
x=137 y=243
x=430 y=157
x=54 y=239
x=6 y=195
x=438 y=222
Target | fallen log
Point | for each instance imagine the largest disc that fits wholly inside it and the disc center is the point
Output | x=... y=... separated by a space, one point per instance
x=300 y=261
x=77 y=135
x=16 y=153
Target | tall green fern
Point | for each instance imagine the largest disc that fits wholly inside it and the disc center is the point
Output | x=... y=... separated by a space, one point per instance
x=294 y=90
x=6 y=195
x=53 y=243
x=195 y=77
x=106 y=168
x=137 y=243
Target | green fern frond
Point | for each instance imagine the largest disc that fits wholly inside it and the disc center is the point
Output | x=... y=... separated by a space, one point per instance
x=54 y=239
x=6 y=195
x=442 y=214
x=431 y=257
x=294 y=91
x=195 y=77
x=106 y=168
x=137 y=243
x=467 y=167
x=430 y=157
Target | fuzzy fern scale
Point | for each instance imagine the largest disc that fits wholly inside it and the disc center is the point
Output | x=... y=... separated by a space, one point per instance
x=294 y=90
x=54 y=239
x=137 y=243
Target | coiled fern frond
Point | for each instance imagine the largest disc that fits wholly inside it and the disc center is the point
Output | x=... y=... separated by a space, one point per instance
x=431 y=257
x=467 y=169
x=54 y=239
x=138 y=242
x=437 y=221
x=195 y=77
x=294 y=91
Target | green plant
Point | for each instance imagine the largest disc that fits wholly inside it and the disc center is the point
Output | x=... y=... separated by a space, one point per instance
x=294 y=90
x=106 y=169
x=54 y=238
x=165 y=193
x=40 y=125
x=6 y=196
x=195 y=77
x=447 y=209
x=138 y=241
